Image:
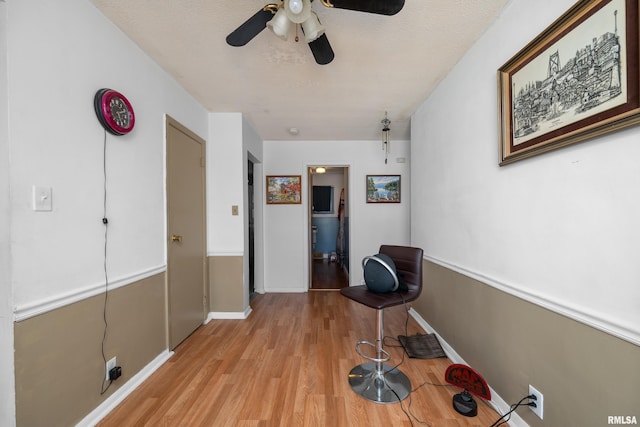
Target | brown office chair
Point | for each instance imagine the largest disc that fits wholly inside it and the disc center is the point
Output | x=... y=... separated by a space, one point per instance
x=376 y=381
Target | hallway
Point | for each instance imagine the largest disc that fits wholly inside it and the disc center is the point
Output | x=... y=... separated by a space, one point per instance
x=328 y=275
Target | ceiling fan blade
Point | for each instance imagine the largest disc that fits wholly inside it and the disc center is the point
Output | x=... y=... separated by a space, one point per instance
x=250 y=28
x=321 y=50
x=381 y=7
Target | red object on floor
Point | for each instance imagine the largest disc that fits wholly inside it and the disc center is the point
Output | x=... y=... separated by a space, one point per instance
x=465 y=377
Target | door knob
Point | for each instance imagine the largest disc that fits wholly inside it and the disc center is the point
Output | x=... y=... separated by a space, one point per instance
x=176 y=238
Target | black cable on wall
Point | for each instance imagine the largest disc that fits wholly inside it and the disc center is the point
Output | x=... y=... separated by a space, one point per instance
x=106 y=276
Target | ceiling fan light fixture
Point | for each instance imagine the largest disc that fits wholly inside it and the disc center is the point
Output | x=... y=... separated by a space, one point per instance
x=312 y=28
x=296 y=5
x=297 y=11
x=280 y=24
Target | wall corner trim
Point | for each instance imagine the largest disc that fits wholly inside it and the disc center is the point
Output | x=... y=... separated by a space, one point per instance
x=496 y=401
x=32 y=309
x=119 y=395
x=579 y=315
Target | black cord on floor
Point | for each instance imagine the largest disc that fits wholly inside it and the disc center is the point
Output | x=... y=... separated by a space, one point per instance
x=103 y=390
x=410 y=415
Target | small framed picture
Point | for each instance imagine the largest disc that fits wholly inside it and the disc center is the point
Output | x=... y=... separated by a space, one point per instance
x=284 y=189
x=383 y=188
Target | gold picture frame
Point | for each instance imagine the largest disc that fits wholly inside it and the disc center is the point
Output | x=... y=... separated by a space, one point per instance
x=284 y=189
x=577 y=80
x=383 y=189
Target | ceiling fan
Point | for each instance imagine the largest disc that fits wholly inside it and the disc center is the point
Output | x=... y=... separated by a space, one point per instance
x=279 y=17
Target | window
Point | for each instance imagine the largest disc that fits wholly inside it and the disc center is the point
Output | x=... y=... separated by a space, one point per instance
x=322 y=199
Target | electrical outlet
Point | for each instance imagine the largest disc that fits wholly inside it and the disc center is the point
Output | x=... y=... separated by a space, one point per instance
x=110 y=365
x=539 y=401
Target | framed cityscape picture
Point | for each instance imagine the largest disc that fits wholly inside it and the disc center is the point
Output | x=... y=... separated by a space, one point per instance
x=383 y=188
x=284 y=189
x=577 y=80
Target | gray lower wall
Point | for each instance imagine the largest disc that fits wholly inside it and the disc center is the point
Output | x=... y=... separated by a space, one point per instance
x=584 y=374
x=226 y=284
x=58 y=359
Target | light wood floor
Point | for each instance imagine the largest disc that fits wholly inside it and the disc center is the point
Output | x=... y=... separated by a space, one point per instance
x=287 y=365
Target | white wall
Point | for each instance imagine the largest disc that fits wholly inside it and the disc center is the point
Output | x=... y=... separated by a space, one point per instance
x=232 y=142
x=560 y=229
x=285 y=226
x=58 y=55
x=7 y=385
x=225 y=182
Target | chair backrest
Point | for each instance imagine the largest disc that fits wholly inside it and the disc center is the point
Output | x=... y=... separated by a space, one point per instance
x=408 y=261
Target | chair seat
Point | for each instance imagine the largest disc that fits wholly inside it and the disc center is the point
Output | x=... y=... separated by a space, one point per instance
x=363 y=295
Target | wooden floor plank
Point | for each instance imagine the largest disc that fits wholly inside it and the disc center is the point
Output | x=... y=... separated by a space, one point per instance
x=287 y=365
x=328 y=275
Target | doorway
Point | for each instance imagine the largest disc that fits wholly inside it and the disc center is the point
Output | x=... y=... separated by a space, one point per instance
x=251 y=228
x=328 y=227
x=186 y=231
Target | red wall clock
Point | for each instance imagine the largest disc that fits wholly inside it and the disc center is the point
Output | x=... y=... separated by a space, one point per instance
x=114 y=111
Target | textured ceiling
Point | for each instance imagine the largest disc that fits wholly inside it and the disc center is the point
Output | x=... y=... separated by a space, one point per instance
x=382 y=63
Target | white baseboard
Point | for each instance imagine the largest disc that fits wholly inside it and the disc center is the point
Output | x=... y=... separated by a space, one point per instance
x=270 y=290
x=496 y=401
x=119 y=395
x=240 y=315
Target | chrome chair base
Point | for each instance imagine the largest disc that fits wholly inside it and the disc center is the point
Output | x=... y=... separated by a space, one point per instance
x=385 y=385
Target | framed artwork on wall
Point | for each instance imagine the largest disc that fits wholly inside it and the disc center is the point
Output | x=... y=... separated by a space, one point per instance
x=577 y=80
x=284 y=189
x=383 y=188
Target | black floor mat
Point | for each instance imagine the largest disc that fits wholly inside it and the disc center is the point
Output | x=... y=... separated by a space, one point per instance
x=422 y=346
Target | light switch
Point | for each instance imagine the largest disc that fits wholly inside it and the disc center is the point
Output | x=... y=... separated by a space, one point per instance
x=42 y=198
x=234 y=210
